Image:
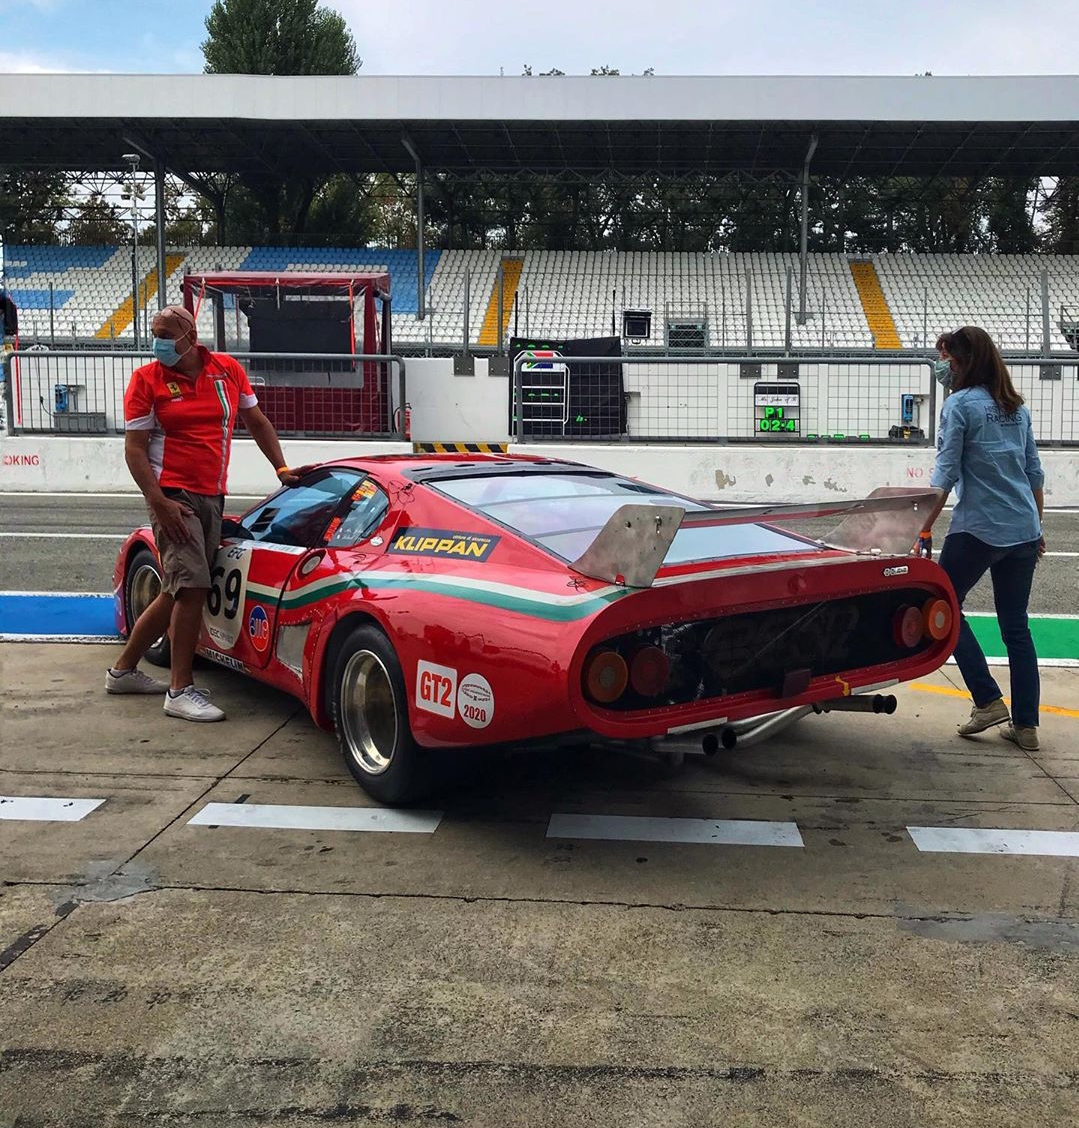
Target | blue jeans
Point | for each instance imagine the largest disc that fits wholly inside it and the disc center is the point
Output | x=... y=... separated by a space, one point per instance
x=966 y=558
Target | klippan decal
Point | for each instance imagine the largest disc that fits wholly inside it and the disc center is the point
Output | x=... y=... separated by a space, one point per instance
x=443 y=542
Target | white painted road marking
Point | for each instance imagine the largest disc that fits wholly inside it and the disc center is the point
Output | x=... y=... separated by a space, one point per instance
x=953 y=840
x=67 y=536
x=279 y=816
x=37 y=809
x=710 y=832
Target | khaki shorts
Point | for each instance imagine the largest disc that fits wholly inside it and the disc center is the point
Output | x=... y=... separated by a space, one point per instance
x=187 y=564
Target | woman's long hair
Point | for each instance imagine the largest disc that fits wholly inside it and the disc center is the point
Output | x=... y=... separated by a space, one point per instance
x=978 y=364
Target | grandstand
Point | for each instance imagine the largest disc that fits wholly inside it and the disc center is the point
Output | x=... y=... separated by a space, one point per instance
x=854 y=303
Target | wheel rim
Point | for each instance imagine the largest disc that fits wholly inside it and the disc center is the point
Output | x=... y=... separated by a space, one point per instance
x=145 y=588
x=368 y=712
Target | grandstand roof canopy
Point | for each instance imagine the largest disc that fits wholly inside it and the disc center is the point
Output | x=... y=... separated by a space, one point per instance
x=1021 y=126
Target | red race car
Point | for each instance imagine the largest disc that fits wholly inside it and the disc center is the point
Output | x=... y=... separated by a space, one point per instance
x=436 y=602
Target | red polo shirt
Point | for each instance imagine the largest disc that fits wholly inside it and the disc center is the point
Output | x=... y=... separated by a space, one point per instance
x=191 y=420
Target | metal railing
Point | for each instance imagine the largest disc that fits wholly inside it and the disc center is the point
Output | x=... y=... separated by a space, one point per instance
x=827 y=399
x=327 y=395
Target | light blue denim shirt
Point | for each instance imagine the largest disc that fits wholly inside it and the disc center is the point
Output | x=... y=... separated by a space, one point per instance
x=990 y=458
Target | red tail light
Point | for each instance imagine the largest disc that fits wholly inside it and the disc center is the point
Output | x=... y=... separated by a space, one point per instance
x=938 y=618
x=606 y=676
x=649 y=669
x=907 y=627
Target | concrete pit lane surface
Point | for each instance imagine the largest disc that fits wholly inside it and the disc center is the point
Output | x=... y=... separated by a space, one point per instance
x=867 y=920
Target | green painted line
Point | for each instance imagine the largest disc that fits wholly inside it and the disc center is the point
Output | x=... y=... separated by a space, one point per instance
x=1053 y=638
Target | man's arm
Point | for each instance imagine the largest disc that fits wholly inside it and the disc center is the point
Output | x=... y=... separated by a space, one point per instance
x=169 y=513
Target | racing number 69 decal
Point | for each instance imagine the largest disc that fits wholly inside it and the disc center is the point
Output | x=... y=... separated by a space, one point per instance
x=222 y=615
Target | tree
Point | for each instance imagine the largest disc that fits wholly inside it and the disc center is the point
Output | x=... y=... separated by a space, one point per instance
x=278 y=37
x=1062 y=217
x=97 y=221
x=31 y=205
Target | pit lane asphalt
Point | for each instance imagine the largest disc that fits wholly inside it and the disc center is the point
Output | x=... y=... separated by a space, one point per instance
x=154 y=972
x=158 y=972
x=59 y=554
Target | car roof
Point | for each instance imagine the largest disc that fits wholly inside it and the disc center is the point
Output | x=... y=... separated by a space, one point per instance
x=428 y=467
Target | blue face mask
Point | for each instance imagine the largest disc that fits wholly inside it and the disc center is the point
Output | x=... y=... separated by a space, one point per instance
x=942 y=370
x=165 y=351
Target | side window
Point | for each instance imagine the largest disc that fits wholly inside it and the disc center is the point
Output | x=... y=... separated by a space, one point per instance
x=366 y=510
x=299 y=516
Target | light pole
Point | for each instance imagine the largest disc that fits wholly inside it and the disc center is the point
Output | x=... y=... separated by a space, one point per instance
x=133 y=159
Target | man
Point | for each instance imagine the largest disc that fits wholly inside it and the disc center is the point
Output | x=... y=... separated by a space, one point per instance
x=179 y=411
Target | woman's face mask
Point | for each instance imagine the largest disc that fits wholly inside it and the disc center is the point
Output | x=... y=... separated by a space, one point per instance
x=942 y=370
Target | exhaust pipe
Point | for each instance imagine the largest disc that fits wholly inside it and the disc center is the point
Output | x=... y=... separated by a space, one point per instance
x=878 y=703
x=727 y=739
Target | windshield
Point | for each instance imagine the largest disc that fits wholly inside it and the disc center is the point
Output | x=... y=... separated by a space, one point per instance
x=564 y=512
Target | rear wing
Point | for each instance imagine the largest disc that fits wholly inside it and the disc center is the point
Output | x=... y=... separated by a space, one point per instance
x=632 y=545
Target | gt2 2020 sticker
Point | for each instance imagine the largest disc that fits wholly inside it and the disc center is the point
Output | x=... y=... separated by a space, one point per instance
x=439 y=690
x=443 y=542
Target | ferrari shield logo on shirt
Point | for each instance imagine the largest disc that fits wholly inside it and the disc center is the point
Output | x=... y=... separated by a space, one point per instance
x=174 y=389
x=443 y=542
x=258 y=628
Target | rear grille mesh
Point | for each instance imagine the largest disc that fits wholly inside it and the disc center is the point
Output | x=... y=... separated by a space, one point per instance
x=756 y=651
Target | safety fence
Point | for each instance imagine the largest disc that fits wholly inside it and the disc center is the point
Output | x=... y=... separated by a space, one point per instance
x=698 y=399
x=324 y=395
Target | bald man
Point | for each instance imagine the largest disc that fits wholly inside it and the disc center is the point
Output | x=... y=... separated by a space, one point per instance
x=179 y=411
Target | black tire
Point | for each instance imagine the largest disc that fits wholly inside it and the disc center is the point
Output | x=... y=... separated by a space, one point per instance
x=142 y=584
x=370 y=717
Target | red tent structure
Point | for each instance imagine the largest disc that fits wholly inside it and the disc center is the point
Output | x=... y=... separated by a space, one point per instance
x=310 y=409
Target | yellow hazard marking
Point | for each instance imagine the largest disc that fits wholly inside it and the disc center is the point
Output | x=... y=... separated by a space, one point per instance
x=948 y=691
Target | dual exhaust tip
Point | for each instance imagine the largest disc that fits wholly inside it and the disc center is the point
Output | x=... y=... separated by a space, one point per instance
x=728 y=736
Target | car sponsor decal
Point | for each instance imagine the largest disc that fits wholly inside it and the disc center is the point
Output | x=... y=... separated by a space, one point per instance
x=476 y=701
x=224 y=660
x=225 y=599
x=901 y=570
x=258 y=628
x=443 y=542
x=436 y=688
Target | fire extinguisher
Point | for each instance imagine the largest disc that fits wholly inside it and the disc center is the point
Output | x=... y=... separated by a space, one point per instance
x=408 y=422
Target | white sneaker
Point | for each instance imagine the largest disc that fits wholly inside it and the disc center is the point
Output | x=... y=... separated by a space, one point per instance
x=192 y=704
x=132 y=681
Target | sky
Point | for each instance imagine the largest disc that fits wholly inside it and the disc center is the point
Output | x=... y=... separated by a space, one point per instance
x=871 y=37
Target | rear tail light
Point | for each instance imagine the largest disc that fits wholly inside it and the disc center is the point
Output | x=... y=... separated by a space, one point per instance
x=649 y=670
x=606 y=676
x=937 y=614
x=907 y=627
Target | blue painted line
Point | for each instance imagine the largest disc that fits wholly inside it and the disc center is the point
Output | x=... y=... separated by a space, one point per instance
x=36 y=615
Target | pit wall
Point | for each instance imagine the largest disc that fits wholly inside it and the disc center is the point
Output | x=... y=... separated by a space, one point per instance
x=446 y=408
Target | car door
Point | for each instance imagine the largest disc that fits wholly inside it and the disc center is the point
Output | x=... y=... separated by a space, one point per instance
x=257 y=557
x=351 y=534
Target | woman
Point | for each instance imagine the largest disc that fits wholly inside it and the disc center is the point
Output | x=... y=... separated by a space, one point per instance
x=986 y=450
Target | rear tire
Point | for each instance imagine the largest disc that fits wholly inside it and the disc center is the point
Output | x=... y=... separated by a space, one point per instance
x=370 y=717
x=142 y=585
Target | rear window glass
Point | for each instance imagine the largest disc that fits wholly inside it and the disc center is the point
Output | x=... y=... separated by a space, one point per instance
x=565 y=512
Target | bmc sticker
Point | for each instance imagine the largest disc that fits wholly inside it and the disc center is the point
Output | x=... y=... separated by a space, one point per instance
x=225 y=599
x=901 y=570
x=258 y=628
x=442 y=542
x=476 y=701
x=435 y=688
